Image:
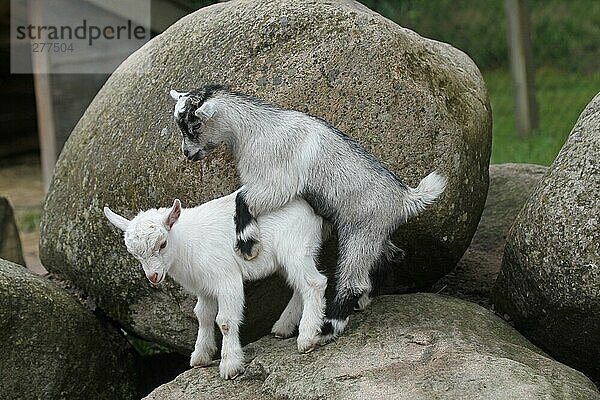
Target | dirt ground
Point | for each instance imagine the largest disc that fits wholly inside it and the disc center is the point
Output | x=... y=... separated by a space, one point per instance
x=21 y=183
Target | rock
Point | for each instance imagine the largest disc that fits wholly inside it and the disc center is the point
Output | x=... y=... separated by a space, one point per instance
x=417 y=104
x=52 y=347
x=550 y=279
x=420 y=346
x=476 y=272
x=10 y=243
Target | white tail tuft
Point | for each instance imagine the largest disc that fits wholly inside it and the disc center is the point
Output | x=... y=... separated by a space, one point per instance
x=429 y=189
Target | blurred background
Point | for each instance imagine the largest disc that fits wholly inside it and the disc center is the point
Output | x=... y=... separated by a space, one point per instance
x=565 y=44
x=556 y=53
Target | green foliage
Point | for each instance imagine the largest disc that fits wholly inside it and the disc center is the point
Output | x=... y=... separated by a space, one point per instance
x=199 y=3
x=29 y=221
x=564 y=33
x=561 y=96
x=145 y=348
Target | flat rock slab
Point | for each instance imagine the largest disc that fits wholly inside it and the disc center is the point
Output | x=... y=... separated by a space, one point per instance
x=420 y=346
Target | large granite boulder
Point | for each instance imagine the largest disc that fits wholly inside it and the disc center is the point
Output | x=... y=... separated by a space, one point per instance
x=52 y=347
x=420 y=346
x=550 y=279
x=476 y=272
x=10 y=243
x=417 y=104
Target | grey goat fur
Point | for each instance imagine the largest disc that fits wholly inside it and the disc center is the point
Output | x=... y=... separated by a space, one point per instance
x=281 y=154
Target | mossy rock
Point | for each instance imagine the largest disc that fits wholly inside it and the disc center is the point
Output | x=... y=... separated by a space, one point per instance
x=52 y=347
x=550 y=279
x=417 y=104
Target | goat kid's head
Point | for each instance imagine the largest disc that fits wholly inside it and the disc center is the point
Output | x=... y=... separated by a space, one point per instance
x=194 y=111
x=147 y=238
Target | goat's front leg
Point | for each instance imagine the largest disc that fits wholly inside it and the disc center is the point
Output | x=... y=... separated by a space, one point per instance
x=247 y=234
x=250 y=203
x=229 y=318
x=205 y=348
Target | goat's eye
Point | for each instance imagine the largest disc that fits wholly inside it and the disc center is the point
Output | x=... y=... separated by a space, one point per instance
x=163 y=245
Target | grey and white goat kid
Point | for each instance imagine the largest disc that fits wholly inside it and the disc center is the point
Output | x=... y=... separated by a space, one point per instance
x=195 y=247
x=282 y=154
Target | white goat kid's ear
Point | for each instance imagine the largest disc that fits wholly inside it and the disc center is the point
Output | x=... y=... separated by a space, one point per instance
x=206 y=110
x=120 y=222
x=173 y=215
x=175 y=95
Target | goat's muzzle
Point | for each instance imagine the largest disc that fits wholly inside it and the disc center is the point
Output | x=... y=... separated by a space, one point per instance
x=197 y=156
x=154 y=278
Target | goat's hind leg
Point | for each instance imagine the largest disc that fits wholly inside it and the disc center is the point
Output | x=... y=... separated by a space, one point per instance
x=391 y=257
x=360 y=252
x=290 y=317
x=336 y=315
x=310 y=284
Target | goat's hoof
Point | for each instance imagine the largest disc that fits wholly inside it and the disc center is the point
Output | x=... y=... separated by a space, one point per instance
x=307 y=344
x=363 y=302
x=253 y=252
x=283 y=329
x=324 y=339
x=283 y=335
x=200 y=364
x=200 y=359
x=231 y=370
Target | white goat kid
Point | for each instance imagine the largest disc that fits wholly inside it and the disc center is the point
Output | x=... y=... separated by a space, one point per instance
x=195 y=247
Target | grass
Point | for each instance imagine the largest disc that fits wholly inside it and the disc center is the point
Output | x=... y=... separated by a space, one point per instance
x=144 y=347
x=564 y=33
x=561 y=96
x=28 y=221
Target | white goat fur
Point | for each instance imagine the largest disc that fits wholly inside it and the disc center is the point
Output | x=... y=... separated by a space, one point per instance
x=282 y=154
x=199 y=254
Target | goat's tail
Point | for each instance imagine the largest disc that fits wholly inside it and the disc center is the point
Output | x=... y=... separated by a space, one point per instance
x=429 y=189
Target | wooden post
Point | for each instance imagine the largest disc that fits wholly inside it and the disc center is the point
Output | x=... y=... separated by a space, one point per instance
x=43 y=97
x=521 y=66
x=53 y=131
